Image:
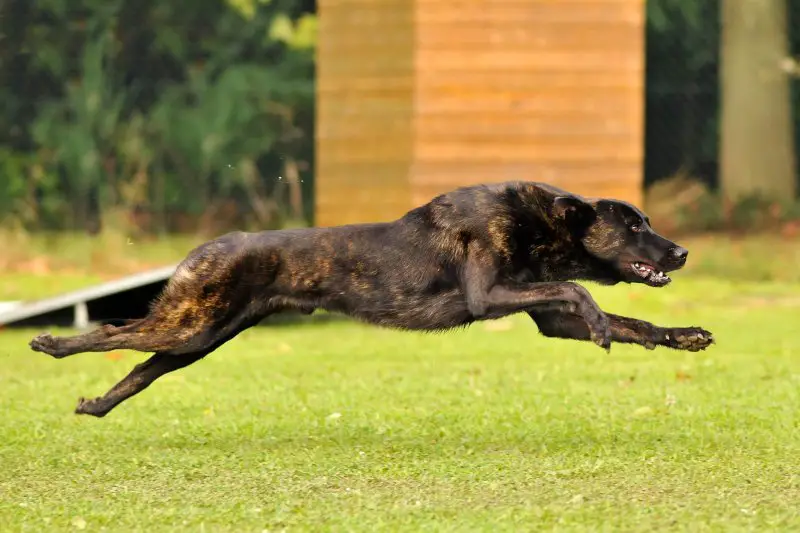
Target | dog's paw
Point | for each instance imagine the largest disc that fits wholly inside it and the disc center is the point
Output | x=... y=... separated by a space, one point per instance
x=90 y=407
x=45 y=343
x=692 y=339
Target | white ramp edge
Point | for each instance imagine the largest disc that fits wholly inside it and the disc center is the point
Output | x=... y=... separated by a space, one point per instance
x=14 y=311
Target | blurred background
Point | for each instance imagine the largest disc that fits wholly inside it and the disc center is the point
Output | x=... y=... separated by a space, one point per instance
x=131 y=130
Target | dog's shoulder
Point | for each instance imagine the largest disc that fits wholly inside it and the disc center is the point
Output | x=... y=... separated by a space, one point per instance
x=488 y=213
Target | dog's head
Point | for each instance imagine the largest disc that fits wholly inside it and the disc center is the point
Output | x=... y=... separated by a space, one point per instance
x=619 y=234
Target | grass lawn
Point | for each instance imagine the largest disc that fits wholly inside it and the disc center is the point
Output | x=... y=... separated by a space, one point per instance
x=337 y=426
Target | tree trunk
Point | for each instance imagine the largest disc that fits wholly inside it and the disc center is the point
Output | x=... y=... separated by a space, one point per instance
x=756 y=146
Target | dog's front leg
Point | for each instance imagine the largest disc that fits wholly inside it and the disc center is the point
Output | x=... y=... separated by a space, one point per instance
x=565 y=325
x=487 y=298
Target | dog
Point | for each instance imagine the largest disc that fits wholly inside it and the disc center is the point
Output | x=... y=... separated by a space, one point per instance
x=476 y=253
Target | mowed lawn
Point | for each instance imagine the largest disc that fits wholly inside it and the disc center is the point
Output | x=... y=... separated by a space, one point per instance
x=335 y=426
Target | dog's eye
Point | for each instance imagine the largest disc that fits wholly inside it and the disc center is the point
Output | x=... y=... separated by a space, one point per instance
x=636 y=228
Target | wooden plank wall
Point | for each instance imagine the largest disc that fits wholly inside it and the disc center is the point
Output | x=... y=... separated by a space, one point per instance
x=364 y=109
x=416 y=97
x=548 y=90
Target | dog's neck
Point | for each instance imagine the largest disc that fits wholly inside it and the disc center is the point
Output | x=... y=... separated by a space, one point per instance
x=546 y=253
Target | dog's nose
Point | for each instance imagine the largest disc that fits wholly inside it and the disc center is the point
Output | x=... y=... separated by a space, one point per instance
x=680 y=253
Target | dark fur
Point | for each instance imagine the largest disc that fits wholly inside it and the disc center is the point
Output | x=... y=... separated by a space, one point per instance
x=476 y=253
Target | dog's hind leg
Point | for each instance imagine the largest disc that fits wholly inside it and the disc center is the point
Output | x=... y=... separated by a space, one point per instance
x=219 y=286
x=146 y=335
x=179 y=322
x=159 y=364
x=565 y=325
x=136 y=381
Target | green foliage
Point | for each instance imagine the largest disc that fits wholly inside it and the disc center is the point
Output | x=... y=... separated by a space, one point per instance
x=14 y=186
x=76 y=132
x=302 y=35
x=153 y=110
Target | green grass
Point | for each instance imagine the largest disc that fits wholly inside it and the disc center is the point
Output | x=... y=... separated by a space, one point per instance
x=28 y=286
x=337 y=426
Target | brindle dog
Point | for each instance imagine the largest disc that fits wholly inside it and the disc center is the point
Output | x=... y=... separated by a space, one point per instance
x=476 y=253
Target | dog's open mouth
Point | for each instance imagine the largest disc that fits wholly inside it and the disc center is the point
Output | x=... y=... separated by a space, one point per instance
x=650 y=274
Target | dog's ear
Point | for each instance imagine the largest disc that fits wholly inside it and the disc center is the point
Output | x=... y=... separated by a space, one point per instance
x=573 y=209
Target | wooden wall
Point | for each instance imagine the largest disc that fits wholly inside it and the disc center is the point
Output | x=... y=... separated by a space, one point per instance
x=491 y=90
x=364 y=110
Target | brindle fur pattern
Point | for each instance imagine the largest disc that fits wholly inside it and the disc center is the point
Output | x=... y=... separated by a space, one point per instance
x=476 y=253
